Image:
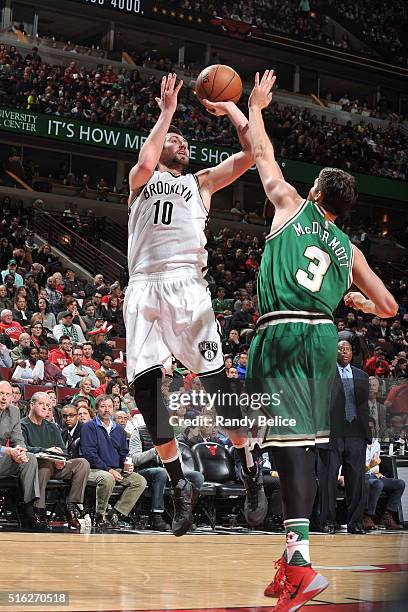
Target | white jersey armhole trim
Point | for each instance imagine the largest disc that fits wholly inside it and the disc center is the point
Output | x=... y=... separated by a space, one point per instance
x=207 y=212
x=136 y=196
x=286 y=223
x=140 y=189
x=322 y=212
x=350 y=274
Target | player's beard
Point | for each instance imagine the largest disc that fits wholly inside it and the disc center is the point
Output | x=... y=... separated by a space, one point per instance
x=179 y=162
x=176 y=162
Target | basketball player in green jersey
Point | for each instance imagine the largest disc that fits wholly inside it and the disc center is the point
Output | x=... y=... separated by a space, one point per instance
x=307 y=266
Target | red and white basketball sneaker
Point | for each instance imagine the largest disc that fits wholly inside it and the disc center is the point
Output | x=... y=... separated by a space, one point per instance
x=275 y=588
x=300 y=586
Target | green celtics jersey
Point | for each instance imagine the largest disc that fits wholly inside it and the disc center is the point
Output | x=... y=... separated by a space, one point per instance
x=306 y=264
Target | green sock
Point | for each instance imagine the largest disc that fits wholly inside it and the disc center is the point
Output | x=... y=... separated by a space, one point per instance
x=297 y=541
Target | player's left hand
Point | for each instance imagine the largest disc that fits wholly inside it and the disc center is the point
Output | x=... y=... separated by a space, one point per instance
x=217 y=108
x=355 y=299
x=261 y=95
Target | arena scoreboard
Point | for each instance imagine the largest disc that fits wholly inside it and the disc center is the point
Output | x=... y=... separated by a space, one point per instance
x=127 y=7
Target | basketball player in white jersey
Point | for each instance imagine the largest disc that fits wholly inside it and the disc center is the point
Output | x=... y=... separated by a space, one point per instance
x=167 y=306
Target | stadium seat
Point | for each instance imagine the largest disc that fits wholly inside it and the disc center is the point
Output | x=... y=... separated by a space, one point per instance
x=10 y=498
x=29 y=390
x=120 y=343
x=215 y=462
x=6 y=373
x=389 y=466
x=76 y=448
x=55 y=496
x=120 y=369
x=64 y=392
x=187 y=460
x=186 y=457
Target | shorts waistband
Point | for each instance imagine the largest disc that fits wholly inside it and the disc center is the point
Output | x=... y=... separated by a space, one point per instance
x=292 y=316
x=171 y=275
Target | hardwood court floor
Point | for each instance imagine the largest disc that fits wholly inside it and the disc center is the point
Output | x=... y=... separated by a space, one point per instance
x=143 y=571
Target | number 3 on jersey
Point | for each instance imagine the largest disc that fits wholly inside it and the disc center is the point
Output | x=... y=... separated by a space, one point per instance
x=162 y=214
x=319 y=264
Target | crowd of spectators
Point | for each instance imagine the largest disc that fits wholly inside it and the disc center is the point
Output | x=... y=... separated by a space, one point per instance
x=60 y=332
x=292 y=17
x=380 y=27
x=37 y=291
x=126 y=100
x=299 y=134
x=43 y=305
x=54 y=41
x=354 y=105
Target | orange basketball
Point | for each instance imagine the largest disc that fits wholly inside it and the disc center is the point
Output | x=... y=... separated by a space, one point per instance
x=219 y=83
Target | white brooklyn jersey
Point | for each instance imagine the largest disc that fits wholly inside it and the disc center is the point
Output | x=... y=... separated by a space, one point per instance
x=166 y=226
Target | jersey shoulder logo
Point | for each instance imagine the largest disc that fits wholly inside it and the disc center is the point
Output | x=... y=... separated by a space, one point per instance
x=208 y=350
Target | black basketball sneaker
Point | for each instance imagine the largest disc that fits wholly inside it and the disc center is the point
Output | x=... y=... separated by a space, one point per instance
x=256 y=505
x=184 y=496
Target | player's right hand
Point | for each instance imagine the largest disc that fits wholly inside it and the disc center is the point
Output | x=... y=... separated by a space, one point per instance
x=217 y=108
x=168 y=93
x=261 y=95
x=355 y=299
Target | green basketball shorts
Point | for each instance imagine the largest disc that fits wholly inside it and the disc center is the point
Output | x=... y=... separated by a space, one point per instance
x=291 y=368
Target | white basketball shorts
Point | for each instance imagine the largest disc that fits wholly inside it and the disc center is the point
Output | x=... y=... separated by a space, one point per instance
x=171 y=314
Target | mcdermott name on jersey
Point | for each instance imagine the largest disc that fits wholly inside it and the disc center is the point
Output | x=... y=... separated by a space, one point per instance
x=328 y=238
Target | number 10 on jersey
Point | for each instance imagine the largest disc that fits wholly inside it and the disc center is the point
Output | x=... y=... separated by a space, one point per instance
x=163 y=212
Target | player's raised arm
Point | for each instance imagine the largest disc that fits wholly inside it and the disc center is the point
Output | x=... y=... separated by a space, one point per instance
x=225 y=173
x=150 y=152
x=279 y=192
x=379 y=300
x=260 y=98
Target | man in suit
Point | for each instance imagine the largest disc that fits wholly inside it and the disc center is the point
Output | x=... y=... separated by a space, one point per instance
x=71 y=430
x=349 y=434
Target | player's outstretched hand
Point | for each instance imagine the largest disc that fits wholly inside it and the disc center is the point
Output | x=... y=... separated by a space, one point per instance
x=217 y=108
x=355 y=299
x=261 y=95
x=169 y=92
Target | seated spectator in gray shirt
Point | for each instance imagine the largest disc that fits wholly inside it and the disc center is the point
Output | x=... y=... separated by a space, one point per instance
x=14 y=458
x=5 y=358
